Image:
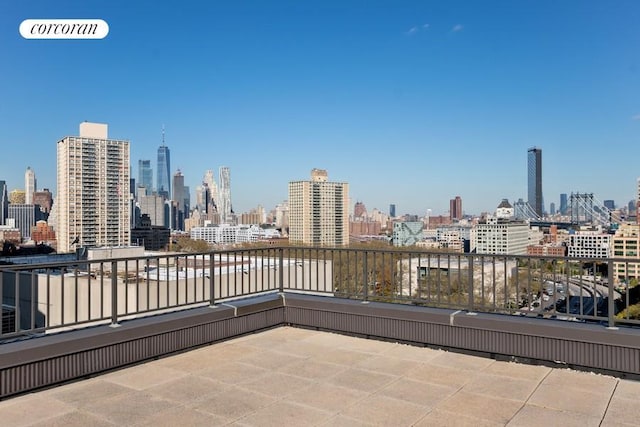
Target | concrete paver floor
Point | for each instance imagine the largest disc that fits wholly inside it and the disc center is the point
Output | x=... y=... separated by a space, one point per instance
x=297 y=377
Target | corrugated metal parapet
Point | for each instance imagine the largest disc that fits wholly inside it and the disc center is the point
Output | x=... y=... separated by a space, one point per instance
x=581 y=345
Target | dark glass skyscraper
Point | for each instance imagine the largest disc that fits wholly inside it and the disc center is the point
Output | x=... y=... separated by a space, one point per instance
x=4 y=202
x=145 y=175
x=178 y=198
x=534 y=179
x=563 y=204
x=164 y=168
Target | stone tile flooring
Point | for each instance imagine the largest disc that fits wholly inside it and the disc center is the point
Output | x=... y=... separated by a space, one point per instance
x=297 y=377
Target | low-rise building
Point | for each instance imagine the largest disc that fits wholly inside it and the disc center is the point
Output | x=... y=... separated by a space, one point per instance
x=407 y=233
x=232 y=234
x=502 y=237
x=588 y=244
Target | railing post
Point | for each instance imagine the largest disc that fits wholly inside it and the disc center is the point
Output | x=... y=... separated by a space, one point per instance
x=16 y=290
x=114 y=294
x=611 y=302
x=281 y=269
x=366 y=277
x=470 y=279
x=212 y=297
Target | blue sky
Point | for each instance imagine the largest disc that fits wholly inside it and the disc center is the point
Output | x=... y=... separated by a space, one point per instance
x=411 y=102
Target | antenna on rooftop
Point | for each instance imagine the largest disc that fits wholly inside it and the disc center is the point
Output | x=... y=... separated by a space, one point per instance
x=163 y=135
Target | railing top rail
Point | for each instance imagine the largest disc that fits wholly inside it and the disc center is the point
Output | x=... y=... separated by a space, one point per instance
x=416 y=252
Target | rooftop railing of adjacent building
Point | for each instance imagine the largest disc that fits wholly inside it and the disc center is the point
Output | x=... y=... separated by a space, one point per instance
x=44 y=298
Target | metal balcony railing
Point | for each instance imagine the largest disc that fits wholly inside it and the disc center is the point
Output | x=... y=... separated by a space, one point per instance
x=53 y=297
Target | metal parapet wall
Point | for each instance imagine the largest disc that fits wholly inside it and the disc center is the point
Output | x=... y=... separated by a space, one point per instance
x=49 y=360
x=45 y=361
x=533 y=340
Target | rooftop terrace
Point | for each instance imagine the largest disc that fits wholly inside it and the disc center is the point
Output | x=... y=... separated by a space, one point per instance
x=272 y=316
x=292 y=376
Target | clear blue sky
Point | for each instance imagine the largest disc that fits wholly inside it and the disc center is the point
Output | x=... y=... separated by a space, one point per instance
x=411 y=102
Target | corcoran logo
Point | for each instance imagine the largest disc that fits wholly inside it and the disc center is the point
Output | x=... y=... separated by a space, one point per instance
x=64 y=29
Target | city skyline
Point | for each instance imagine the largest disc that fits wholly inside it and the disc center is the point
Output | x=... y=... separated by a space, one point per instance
x=381 y=96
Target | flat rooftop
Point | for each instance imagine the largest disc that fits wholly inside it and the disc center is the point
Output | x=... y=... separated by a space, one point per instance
x=292 y=376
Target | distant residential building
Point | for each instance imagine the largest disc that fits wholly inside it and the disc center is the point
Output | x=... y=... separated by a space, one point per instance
x=502 y=237
x=42 y=232
x=435 y=221
x=546 y=250
x=455 y=208
x=365 y=227
x=282 y=215
x=626 y=245
x=454 y=237
x=586 y=244
x=319 y=211
x=552 y=209
x=10 y=234
x=44 y=199
x=451 y=240
x=29 y=185
x=93 y=197
x=196 y=219
x=407 y=233
x=534 y=180
x=359 y=210
x=381 y=217
x=256 y=216
x=248 y=218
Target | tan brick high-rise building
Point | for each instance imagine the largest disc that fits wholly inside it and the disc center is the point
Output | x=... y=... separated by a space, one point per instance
x=626 y=245
x=319 y=211
x=92 y=202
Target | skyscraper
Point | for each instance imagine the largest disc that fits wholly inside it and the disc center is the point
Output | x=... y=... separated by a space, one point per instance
x=164 y=170
x=92 y=202
x=145 y=176
x=4 y=202
x=224 y=195
x=534 y=180
x=178 y=198
x=209 y=179
x=392 y=210
x=29 y=185
x=563 y=204
x=319 y=211
x=455 y=208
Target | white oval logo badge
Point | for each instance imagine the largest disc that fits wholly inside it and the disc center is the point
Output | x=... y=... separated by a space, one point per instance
x=64 y=29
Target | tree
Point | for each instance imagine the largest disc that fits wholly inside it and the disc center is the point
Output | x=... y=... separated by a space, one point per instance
x=187 y=244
